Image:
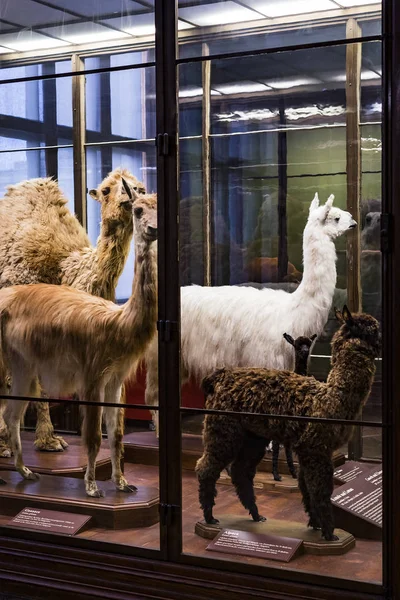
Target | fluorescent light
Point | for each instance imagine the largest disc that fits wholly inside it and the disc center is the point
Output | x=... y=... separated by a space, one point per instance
x=219 y=13
x=338 y=77
x=286 y=84
x=137 y=25
x=29 y=40
x=192 y=91
x=84 y=33
x=5 y=50
x=259 y=114
x=283 y=8
x=368 y=75
x=241 y=88
x=183 y=25
x=350 y=3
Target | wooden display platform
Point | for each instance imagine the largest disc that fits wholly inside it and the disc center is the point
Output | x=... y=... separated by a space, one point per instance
x=70 y=463
x=313 y=543
x=117 y=510
x=142 y=448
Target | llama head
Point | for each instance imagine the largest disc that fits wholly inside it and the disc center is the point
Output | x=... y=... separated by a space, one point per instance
x=301 y=345
x=361 y=329
x=145 y=217
x=116 y=194
x=330 y=220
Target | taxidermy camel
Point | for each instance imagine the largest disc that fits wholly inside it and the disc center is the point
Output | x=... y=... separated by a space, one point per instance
x=73 y=342
x=242 y=441
x=235 y=326
x=42 y=242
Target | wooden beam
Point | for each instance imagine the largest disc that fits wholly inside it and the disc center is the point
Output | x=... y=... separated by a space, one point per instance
x=79 y=133
x=206 y=166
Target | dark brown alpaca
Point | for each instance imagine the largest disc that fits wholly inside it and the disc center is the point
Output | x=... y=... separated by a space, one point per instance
x=242 y=441
x=302 y=346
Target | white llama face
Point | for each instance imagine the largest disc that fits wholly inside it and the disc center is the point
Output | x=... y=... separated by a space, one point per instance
x=332 y=220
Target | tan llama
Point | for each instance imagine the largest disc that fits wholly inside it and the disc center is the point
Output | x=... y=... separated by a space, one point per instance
x=74 y=342
x=42 y=242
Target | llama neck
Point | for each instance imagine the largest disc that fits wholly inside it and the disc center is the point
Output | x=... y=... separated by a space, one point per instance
x=319 y=275
x=350 y=380
x=301 y=365
x=138 y=318
x=111 y=252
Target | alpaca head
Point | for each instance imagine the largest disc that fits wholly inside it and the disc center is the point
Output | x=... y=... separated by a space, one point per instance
x=361 y=330
x=145 y=217
x=116 y=203
x=301 y=344
x=328 y=219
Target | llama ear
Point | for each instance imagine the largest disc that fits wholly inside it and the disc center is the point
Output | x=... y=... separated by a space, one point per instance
x=93 y=194
x=312 y=338
x=327 y=207
x=347 y=315
x=288 y=338
x=338 y=315
x=330 y=200
x=315 y=203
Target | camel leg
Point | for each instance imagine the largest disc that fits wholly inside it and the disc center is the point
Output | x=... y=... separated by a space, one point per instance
x=114 y=418
x=243 y=470
x=275 y=459
x=318 y=476
x=5 y=450
x=221 y=442
x=91 y=433
x=23 y=384
x=46 y=440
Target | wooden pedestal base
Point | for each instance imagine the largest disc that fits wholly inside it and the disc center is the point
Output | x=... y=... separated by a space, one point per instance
x=359 y=527
x=117 y=510
x=313 y=543
x=70 y=463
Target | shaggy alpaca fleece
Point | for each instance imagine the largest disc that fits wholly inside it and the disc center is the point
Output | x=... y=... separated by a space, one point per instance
x=242 y=441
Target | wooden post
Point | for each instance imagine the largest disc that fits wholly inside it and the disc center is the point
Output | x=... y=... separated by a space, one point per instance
x=353 y=168
x=79 y=135
x=206 y=165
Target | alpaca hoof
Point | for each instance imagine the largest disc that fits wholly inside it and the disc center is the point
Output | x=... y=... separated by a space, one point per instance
x=212 y=521
x=95 y=493
x=277 y=478
x=330 y=537
x=294 y=475
x=29 y=475
x=51 y=444
x=259 y=519
x=128 y=489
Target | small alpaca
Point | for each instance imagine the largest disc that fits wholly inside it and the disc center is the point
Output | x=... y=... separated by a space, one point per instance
x=355 y=346
x=302 y=346
x=42 y=242
x=242 y=326
x=74 y=342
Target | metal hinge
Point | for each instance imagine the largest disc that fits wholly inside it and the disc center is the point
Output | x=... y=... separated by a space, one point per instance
x=162 y=144
x=167 y=513
x=386 y=232
x=165 y=329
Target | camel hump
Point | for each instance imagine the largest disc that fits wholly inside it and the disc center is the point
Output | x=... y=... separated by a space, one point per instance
x=43 y=191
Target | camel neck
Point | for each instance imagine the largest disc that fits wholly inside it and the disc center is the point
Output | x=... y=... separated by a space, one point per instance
x=111 y=253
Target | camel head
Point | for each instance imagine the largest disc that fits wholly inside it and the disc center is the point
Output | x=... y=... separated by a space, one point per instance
x=328 y=219
x=145 y=217
x=116 y=194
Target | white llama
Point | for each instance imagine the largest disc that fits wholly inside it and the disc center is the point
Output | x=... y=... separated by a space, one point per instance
x=233 y=326
x=75 y=342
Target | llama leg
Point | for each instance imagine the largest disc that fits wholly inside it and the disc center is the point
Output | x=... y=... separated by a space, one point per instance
x=289 y=460
x=91 y=433
x=313 y=521
x=318 y=474
x=275 y=459
x=114 y=418
x=46 y=440
x=243 y=470
x=23 y=384
x=221 y=441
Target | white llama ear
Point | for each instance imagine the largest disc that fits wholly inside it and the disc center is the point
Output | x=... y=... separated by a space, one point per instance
x=327 y=207
x=315 y=203
x=330 y=200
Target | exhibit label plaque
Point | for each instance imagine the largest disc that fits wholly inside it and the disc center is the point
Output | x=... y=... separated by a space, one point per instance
x=233 y=541
x=350 y=470
x=49 y=520
x=362 y=497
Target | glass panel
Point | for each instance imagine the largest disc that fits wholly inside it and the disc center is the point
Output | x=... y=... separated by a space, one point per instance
x=260 y=24
x=273 y=132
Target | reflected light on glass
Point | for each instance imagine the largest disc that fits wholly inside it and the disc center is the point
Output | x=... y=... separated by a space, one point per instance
x=29 y=40
x=284 y=8
x=192 y=92
x=306 y=112
x=242 y=87
x=85 y=33
x=262 y=114
x=220 y=13
x=350 y=3
x=285 y=84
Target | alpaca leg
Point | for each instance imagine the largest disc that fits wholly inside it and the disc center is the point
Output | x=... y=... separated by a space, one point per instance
x=275 y=459
x=91 y=433
x=313 y=521
x=221 y=441
x=23 y=384
x=46 y=440
x=289 y=460
x=243 y=470
x=318 y=475
x=114 y=418
x=151 y=392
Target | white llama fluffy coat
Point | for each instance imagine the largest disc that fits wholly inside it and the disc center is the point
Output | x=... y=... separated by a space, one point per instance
x=233 y=326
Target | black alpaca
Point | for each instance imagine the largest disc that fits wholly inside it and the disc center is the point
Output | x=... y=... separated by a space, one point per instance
x=302 y=346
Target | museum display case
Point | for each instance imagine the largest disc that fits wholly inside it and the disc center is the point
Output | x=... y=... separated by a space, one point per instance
x=212 y=175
